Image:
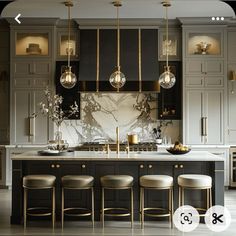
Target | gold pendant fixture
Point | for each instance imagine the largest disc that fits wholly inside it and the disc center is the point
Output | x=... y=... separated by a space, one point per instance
x=167 y=79
x=68 y=78
x=117 y=78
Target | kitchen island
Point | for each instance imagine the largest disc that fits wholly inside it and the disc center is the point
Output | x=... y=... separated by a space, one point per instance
x=98 y=164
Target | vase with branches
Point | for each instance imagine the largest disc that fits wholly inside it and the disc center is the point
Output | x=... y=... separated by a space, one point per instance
x=52 y=108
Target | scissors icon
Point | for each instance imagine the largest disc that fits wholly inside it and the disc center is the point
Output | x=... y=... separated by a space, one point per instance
x=217 y=218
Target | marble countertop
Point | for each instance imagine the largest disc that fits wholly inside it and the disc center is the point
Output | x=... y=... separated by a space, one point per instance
x=132 y=156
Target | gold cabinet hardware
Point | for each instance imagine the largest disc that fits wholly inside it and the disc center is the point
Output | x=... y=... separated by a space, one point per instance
x=150 y=166
x=176 y=166
x=58 y=166
x=52 y=166
x=141 y=166
x=83 y=166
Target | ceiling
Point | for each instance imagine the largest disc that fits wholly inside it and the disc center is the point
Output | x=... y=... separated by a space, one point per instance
x=89 y=9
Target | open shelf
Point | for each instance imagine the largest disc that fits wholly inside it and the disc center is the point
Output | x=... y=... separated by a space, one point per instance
x=28 y=44
x=204 y=44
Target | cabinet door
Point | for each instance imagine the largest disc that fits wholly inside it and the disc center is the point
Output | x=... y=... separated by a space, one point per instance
x=193 y=115
x=108 y=53
x=169 y=100
x=88 y=53
x=149 y=49
x=194 y=67
x=40 y=124
x=213 y=102
x=26 y=129
x=214 y=67
x=20 y=117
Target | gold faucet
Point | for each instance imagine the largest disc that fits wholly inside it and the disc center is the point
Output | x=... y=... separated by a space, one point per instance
x=117 y=140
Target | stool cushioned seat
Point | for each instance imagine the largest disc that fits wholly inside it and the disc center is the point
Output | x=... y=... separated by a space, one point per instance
x=194 y=181
x=39 y=181
x=156 y=181
x=117 y=181
x=77 y=181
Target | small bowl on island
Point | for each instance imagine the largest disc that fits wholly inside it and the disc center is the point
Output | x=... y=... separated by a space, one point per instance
x=178 y=149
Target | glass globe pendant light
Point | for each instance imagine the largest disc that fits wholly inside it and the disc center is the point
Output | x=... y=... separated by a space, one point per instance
x=167 y=79
x=117 y=78
x=68 y=79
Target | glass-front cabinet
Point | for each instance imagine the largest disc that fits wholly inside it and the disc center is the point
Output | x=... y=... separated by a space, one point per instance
x=64 y=47
x=204 y=42
x=30 y=42
x=172 y=46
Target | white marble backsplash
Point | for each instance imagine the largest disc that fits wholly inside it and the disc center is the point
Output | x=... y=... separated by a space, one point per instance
x=101 y=113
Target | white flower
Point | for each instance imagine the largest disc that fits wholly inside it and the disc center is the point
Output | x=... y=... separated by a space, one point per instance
x=53 y=109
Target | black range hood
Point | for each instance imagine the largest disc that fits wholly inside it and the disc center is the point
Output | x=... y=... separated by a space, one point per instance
x=130 y=86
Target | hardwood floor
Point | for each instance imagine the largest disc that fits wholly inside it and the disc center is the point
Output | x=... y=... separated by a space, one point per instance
x=111 y=228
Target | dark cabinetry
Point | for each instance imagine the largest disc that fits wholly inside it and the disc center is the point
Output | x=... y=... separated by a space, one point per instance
x=94 y=65
x=170 y=100
x=113 y=198
x=70 y=96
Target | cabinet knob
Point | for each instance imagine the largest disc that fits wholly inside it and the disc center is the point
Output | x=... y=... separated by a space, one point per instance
x=176 y=166
x=141 y=166
x=181 y=166
x=58 y=166
x=52 y=166
x=83 y=166
x=150 y=166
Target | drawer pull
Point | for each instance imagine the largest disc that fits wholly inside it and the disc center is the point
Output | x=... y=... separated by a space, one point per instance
x=176 y=166
x=150 y=166
x=141 y=166
x=58 y=166
x=181 y=166
x=83 y=166
x=52 y=166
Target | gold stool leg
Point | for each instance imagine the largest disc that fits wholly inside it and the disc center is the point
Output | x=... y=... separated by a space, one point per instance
x=170 y=207
x=92 y=196
x=25 y=207
x=132 y=207
x=142 y=209
x=62 y=207
x=53 y=207
x=210 y=196
x=179 y=196
x=182 y=196
x=207 y=199
x=102 y=213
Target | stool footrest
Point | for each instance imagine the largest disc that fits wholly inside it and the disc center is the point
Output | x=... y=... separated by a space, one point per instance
x=77 y=211
x=147 y=212
x=126 y=213
x=201 y=211
x=42 y=211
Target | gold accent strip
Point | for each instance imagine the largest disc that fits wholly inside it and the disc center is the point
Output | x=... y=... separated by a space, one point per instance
x=219 y=170
x=98 y=60
x=139 y=60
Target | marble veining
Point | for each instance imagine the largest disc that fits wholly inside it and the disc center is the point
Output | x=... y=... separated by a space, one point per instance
x=101 y=113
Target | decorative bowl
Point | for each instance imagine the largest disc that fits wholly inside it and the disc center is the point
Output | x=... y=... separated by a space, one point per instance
x=177 y=152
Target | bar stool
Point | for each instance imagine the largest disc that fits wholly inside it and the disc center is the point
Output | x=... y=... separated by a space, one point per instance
x=117 y=182
x=156 y=182
x=195 y=181
x=33 y=182
x=76 y=182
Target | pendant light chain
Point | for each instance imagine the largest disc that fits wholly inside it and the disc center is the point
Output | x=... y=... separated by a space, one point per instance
x=167 y=38
x=118 y=36
x=167 y=79
x=68 y=78
x=140 y=59
x=117 y=78
x=69 y=17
